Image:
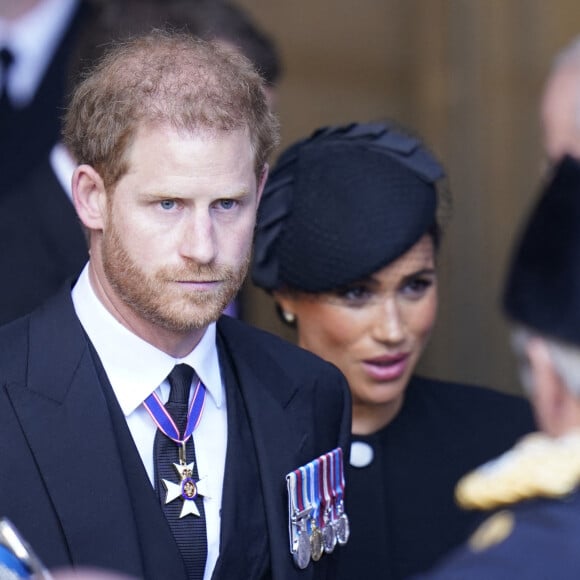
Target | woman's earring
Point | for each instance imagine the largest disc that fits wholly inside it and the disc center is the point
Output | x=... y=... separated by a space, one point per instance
x=289 y=317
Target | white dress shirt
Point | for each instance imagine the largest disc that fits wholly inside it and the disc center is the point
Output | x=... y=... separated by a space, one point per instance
x=63 y=166
x=33 y=39
x=135 y=369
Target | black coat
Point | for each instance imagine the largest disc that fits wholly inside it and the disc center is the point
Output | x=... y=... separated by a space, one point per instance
x=402 y=509
x=79 y=500
x=540 y=542
x=41 y=242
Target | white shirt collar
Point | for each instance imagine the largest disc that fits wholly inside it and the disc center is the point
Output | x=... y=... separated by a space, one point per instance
x=63 y=166
x=33 y=39
x=134 y=367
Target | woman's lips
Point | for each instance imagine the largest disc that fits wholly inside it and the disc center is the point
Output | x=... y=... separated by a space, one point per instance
x=386 y=368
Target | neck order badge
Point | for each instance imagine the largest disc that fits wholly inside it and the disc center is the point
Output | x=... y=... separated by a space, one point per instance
x=188 y=488
x=174 y=448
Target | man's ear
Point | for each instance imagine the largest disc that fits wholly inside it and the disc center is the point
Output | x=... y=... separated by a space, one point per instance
x=89 y=197
x=262 y=181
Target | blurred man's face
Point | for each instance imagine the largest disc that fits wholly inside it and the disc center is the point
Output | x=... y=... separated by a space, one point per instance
x=560 y=114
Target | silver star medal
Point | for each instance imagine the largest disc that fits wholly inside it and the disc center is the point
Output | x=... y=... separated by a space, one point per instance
x=188 y=489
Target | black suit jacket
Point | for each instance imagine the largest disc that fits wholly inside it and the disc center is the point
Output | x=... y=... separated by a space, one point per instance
x=41 y=242
x=62 y=478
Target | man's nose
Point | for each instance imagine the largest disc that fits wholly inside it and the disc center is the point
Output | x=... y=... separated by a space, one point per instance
x=197 y=238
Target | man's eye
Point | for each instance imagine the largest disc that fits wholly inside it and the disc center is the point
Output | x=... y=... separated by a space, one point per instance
x=227 y=203
x=167 y=204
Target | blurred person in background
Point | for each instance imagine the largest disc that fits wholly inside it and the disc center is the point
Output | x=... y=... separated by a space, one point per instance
x=560 y=104
x=230 y=23
x=36 y=39
x=533 y=489
x=347 y=240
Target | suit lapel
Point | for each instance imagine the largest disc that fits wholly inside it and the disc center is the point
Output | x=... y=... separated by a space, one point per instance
x=79 y=463
x=278 y=425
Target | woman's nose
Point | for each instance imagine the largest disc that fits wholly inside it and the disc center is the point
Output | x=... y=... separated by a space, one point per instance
x=389 y=326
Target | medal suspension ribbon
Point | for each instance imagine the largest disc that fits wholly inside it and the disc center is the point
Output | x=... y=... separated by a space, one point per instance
x=326 y=483
x=333 y=482
x=339 y=478
x=317 y=512
x=301 y=552
x=320 y=491
x=167 y=426
x=299 y=492
x=329 y=535
x=292 y=505
x=320 y=471
x=316 y=537
x=306 y=492
x=341 y=519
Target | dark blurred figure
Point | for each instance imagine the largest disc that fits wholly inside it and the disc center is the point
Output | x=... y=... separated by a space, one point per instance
x=41 y=239
x=36 y=37
x=230 y=23
x=534 y=489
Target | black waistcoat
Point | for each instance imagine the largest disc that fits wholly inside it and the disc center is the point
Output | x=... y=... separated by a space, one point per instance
x=244 y=549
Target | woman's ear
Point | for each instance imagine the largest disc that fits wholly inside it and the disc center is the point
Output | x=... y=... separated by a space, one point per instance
x=89 y=197
x=286 y=305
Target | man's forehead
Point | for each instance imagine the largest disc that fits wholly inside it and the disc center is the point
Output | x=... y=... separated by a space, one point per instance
x=184 y=131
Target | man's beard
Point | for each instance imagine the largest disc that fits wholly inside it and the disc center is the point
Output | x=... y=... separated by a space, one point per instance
x=156 y=297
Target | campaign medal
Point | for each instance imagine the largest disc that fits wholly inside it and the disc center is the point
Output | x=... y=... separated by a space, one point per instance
x=188 y=489
x=316 y=542
x=328 y=532
x=303 y=550
x=342 y=524
x=298 y=517
x=316 y=545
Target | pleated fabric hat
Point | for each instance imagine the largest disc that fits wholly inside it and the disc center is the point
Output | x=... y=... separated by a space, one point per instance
x=342 y=204
x=542 y=289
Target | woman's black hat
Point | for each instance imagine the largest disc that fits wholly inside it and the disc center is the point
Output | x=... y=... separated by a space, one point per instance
x=342 y=204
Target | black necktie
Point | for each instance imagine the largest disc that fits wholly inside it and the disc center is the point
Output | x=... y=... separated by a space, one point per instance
x=189 y=531
x=6 y=61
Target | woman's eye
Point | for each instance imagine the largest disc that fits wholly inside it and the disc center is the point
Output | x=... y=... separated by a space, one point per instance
x=418 y=286
x=355 y=295
x=167 y=204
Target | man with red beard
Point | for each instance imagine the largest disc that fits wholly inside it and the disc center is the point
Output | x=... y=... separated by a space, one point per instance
x=140 y=431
